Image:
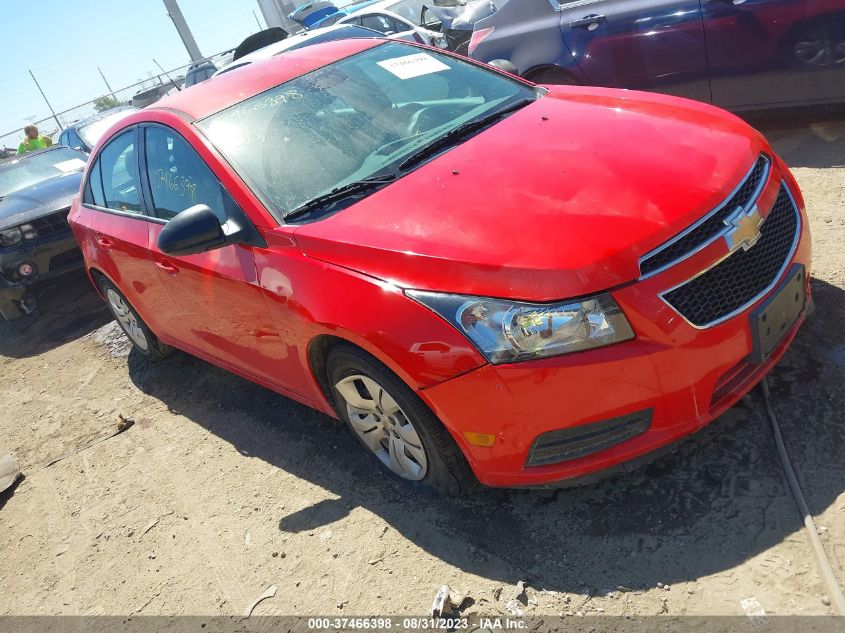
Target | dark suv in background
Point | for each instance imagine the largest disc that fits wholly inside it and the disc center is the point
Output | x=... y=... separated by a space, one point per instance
x=35 y=240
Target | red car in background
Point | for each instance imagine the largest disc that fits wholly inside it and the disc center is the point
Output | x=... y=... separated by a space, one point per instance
x=486 y=279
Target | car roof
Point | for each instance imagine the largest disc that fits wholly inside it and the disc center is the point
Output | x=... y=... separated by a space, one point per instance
x=100 y=115
x=227 y=89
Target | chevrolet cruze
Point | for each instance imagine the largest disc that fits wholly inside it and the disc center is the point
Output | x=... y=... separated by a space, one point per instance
x=486 y=279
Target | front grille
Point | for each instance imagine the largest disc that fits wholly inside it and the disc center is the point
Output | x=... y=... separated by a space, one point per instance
x=740 y=279
x=584 y=439
x=53 y=224
x=713 y=224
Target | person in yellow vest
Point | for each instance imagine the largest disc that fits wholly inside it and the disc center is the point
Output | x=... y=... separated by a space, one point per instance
x=33 y=140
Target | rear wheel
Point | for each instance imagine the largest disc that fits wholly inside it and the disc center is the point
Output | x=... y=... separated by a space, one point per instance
x=394 y=425
x=132 y=325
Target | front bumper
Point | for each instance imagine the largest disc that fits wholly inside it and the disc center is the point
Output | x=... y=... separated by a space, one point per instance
x=686 y=376
x=51 y=257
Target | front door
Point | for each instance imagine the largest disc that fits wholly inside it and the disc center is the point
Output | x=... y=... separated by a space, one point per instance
x=769 y=53
x=656 y=45
x=218 y=309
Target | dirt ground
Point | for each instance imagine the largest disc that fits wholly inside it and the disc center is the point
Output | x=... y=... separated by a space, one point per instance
x=222 y=488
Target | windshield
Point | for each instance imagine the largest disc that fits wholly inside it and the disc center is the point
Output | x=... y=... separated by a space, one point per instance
x=92 y=132
x=30 y=169
x=351 y=120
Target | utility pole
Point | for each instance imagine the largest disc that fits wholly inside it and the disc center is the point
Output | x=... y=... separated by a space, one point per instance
x=106 y=81
x=276 y=12
x=188 y=40
x=53 y=112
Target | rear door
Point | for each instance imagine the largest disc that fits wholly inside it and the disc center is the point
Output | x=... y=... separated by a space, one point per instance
x=769 y=53
x=655 y=45
x=119 y=227
x=216 y=304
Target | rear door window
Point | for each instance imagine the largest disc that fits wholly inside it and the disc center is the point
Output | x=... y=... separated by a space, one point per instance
x=113 y=176
x=118 y=172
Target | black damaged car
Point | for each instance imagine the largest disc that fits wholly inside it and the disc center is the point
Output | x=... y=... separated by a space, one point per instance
x=35 y=240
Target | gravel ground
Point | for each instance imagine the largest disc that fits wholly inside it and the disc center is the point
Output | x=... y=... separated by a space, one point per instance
x=221 y=488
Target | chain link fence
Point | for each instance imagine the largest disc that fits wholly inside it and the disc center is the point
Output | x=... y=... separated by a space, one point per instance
x=139 y=94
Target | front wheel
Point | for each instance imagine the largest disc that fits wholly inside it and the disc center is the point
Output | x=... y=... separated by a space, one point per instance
x=394 y=425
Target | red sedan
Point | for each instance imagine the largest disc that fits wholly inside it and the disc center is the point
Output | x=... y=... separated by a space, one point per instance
x=486 y=279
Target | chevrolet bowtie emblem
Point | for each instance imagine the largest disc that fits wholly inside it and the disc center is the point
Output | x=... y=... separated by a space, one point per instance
x=744 y=228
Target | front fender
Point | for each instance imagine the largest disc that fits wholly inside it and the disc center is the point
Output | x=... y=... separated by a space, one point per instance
x=309 y=298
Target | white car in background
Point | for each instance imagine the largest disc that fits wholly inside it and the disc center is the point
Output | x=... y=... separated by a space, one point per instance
x=308 y=38
x=398 y=19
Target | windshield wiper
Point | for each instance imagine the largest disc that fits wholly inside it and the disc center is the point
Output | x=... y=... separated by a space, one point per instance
x=355 y=188
x=453 y=136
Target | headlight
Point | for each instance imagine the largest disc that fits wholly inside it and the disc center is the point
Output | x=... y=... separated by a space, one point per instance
x=29 y=231
x=10 y=237
x=508 y=331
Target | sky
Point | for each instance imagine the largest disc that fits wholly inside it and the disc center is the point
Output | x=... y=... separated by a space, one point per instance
x=64 y=41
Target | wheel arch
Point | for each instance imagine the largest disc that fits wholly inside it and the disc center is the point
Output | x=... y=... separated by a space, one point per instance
x=318 y=351
x=95 y=275
x=533 y=73
x=321 y=345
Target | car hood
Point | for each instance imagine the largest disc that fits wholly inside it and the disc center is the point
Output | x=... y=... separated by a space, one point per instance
x=42 y=199
x=558 y=200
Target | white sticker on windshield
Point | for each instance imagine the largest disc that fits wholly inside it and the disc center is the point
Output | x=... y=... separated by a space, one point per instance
x=413 y=65
x=67 y=166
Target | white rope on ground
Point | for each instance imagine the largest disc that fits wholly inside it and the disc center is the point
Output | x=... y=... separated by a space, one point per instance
x=831 y=585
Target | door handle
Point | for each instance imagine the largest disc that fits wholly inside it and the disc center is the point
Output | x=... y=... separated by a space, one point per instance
x=591 y=22
x=104 y=242
x=170 y=269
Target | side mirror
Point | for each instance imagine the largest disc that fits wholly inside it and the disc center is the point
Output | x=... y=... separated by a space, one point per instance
x=195 y=230
x=506 y=65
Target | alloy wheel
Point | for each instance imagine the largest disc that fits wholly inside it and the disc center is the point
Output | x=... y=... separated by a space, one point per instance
x=384 y=428
x=820 y=46
x=127 y=319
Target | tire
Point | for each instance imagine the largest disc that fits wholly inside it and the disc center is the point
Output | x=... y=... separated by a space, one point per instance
x=553 y=76
x=133 y=326
x=394 y=425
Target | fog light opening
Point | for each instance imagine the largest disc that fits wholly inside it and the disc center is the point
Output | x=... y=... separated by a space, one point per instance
x=27 y=270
